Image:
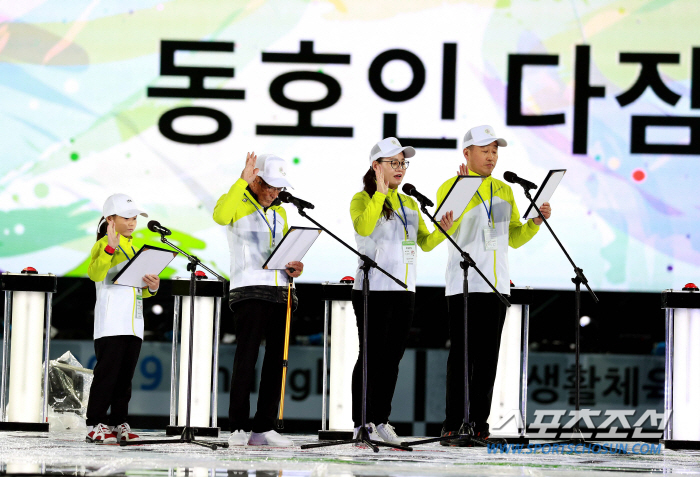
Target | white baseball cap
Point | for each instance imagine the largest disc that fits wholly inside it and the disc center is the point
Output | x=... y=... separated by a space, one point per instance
x=273 y=170
x=389 y=147
x=121 y=205
x=481 y=136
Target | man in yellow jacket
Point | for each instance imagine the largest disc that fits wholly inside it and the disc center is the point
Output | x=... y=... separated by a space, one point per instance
x=488 y=226
x=255 y=224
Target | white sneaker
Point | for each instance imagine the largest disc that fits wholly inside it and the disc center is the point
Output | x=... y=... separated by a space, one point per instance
x=238 y=438
x=124 y=434
x=269 y=438
x=101 y=434
x=373 y=434
x=388 y=434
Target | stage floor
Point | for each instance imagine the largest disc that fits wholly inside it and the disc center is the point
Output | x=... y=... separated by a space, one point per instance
x=69 y=454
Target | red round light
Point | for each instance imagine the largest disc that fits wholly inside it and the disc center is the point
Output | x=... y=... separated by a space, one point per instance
x=638 y=175
x=200 y=274
x=690 y=287
x=347 y=279
x=29 y=270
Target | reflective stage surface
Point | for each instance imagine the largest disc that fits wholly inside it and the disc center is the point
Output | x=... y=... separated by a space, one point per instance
x=69 y=454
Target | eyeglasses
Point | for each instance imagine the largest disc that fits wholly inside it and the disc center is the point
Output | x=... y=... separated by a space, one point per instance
x=395 y=164
x=268 y=187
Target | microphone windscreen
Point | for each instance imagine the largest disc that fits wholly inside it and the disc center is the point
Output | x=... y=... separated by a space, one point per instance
x=285 y=196
x=408 y=188
x=153 y=225
x=510 y=176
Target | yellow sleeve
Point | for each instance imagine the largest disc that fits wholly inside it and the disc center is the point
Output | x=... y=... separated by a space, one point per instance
x=227 y=204
x=426 y=240
x=518 y=233
x=100 y=262
x=283 y=213
x=365 y=212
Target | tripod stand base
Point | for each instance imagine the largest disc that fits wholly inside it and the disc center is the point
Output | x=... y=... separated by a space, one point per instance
x=460 y=440
x=199 y=431
x=335 y=435
x=363 y=438
x=678 y=444
x=464 y=438
x=187 y=437
x=512 y=439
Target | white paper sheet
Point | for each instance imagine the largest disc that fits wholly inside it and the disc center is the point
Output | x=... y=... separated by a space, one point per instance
x=458 y=198
x=545 y=192
x=148 y=261
x=292 y=248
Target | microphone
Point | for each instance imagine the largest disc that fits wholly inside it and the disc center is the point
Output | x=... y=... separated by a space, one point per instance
x=285 y=196
x=513 y=178
x=410 y=189
x=154 y=226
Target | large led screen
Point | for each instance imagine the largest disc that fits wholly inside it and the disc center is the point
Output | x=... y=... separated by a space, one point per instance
x=162 y=99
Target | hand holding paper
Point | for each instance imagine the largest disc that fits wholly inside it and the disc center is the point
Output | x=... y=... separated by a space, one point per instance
x=152 y=281
x=546 y=210
x=446 y=221
x=298 y=267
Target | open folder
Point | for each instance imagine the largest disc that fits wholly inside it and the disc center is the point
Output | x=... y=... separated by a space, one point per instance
x=459 y=196
x=292 y=248
x=149 y=260
x=545 y=192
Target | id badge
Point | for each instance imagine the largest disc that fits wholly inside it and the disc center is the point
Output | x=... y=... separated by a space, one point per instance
x=409 y=252
x=490 y=239
x=139 y=306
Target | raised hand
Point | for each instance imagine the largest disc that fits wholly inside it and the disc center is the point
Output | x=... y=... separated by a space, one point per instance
x=112 y=235
x=463 y=170
x=250 y=172
x=382 y=184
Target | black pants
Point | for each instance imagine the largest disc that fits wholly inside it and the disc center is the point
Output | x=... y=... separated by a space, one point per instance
x=111 y=382
x=486 y=317
x=255 y=320
x=390 y=317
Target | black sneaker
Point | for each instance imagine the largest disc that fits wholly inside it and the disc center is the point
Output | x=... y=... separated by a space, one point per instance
x=444 y=433
x=482 y=436
x=472 y=437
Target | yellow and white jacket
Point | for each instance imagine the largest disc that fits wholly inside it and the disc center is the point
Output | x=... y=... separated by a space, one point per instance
x=381 y=239
x=469 y=235
x=250 y=230
x=118 y=309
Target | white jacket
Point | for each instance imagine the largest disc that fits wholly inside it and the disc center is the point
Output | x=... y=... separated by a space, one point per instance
x=118 y=309
x=381 y=239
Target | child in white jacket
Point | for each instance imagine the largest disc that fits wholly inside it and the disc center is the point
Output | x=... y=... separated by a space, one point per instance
x=118 y=322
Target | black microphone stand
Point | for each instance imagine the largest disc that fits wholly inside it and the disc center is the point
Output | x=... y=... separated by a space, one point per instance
x=465 y=436
x=578 y=279
x=367 y=263
x=188 y=432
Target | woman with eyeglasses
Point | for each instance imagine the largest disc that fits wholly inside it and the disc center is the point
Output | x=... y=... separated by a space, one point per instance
x=255 y=224
x=388 y=229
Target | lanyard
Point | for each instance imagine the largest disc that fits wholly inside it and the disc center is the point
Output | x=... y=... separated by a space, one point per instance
x=488 y=211
x=127 y=257
x=274 y=219
x=403 y=222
